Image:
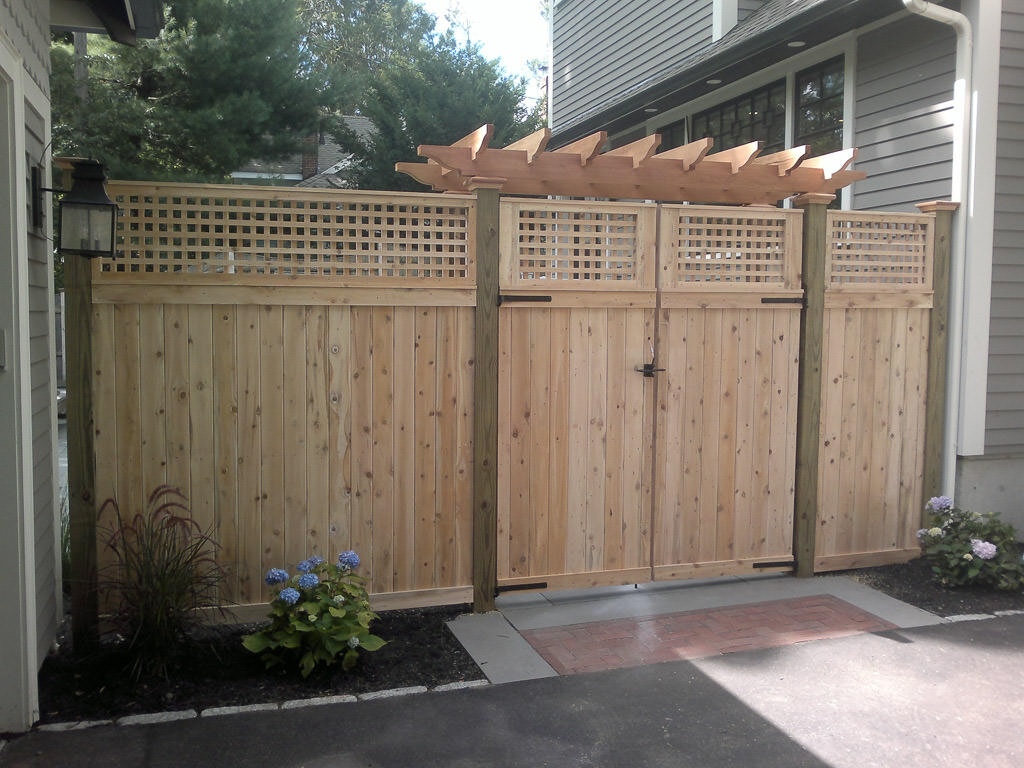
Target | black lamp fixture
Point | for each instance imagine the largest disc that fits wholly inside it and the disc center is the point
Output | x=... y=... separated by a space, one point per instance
x=87 y=216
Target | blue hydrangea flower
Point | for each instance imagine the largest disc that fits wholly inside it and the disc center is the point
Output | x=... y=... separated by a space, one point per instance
x=939 y=504
x=309 y=564
x=348 y=559
x=276 y=576
x=289 y=595
x=308 y=580
x=986 y=550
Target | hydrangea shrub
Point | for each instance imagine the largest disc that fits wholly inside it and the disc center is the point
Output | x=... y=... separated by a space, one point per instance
x=968 y=548
x=320 y=613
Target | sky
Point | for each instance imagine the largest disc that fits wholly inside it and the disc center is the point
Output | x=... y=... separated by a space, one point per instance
x=511 y=30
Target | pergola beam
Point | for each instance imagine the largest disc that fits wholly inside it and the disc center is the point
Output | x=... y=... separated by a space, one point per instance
x=688 y=173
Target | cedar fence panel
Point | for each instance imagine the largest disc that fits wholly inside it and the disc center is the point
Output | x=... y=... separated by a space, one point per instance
x=728 y=338
x=299 y=364
x=574 y=417
x=877 y=304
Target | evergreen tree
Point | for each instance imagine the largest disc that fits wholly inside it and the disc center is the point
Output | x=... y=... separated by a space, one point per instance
x=445 y=91
x=223 y=83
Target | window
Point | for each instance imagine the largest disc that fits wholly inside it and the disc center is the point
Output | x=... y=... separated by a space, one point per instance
x=673 y=135
x=819 y=107
x=756 y=116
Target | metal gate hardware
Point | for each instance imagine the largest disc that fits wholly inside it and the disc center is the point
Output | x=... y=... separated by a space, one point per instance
x=648 y=370
x=783 y=300
x=520 y=587
x=503 y=297
x=776 y=564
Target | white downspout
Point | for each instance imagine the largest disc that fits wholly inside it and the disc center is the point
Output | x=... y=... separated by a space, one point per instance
x=962 y=116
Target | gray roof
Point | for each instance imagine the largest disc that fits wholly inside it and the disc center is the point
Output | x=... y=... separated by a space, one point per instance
x=756 y=42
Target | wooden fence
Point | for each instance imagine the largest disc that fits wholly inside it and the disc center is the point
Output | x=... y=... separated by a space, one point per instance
x=301 y=364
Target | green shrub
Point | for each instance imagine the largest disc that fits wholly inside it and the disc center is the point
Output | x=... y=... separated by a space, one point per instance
x=968 y=548
x=164 y=569
x=316 y=615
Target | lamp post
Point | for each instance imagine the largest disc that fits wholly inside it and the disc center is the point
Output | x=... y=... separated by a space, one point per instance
x=87 y=218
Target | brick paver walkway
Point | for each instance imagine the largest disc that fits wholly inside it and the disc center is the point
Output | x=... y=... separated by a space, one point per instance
x=695 y=634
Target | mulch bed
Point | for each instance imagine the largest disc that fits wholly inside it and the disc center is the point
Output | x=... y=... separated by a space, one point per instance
x=914 y=583
x=216 y=670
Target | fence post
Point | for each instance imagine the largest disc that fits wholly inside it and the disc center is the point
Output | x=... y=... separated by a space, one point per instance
x=81 y=451
x=935 y=402
x=485 y=396
x=808 y=419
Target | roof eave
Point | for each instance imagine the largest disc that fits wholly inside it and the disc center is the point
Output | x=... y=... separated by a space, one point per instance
x=817 y=25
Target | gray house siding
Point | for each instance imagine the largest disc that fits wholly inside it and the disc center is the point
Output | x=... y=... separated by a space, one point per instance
x=1004 y=420
x=602 y=48
x=43 y=403
x=904 y=115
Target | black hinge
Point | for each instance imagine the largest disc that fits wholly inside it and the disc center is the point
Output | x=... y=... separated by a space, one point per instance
x=775 y=564
x=503 y=297
x=520 y=587
x=783 y=300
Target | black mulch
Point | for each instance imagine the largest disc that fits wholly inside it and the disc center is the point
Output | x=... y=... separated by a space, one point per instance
x=217 y=671
x=914 y=583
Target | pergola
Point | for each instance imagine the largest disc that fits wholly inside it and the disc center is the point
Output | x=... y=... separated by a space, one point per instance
x=737 y=176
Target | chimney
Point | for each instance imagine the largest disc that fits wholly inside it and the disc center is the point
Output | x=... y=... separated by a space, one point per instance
x=310 y=156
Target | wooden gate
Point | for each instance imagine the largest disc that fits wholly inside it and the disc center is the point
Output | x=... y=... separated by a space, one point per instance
x=593 y=487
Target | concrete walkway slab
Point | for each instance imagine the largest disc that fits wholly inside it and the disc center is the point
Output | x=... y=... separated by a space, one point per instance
x=498 y=649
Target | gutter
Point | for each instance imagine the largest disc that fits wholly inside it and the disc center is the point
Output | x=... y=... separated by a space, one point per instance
x=962 y=164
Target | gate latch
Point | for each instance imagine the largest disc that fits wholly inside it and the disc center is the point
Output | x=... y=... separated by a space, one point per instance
x=648 y=370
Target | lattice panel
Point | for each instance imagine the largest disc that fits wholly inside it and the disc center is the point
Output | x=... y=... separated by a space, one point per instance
x=576 y=245
x=329 y=235
x=716 y=247
x=880 y=249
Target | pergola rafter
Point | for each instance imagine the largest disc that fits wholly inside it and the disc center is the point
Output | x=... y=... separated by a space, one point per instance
x=739 y=175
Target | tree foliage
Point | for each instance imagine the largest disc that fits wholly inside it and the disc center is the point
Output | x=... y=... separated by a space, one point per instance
x=445 y=91
x=223 y=83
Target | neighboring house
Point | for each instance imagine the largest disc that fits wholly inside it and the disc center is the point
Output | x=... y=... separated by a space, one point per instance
x=30 y=608
x=321 y=163
x=848 y=73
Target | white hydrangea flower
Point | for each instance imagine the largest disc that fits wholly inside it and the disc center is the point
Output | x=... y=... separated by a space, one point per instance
x=353 y=642
x=934 y=531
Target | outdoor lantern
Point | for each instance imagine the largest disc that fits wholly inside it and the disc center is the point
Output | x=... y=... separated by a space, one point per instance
x=86 y=214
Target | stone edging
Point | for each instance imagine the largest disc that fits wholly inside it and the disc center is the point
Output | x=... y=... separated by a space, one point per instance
x=191 y=714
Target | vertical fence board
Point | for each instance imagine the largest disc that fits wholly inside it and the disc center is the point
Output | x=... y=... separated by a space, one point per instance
x=340 y=389
x=176 y=396
x=202 y=459
x=272 y=439
x=558 y=470
x=383 y=497
x=426 y=448
x=151 y=397
x=226 y=440
x=405 y=446
x=317 y=468
x=539 y=337
x=448 y=409
x=250 y=458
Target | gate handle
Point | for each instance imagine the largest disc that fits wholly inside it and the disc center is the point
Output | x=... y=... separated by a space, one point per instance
x=648 y=369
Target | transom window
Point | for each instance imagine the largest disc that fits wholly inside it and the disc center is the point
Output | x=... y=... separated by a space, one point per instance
x=819 y=107
x=756 y=116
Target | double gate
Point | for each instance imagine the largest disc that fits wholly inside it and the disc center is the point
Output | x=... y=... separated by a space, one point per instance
x=647 y=391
